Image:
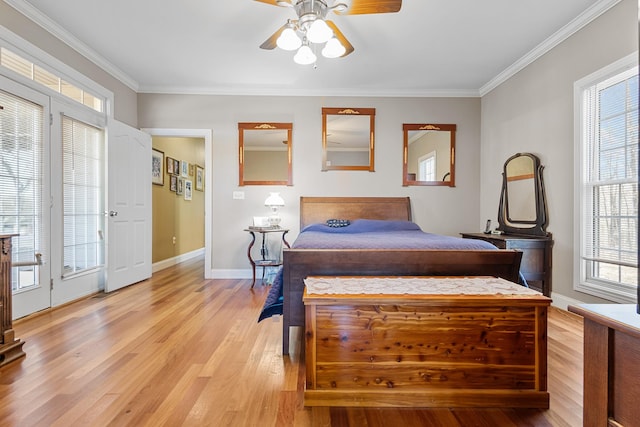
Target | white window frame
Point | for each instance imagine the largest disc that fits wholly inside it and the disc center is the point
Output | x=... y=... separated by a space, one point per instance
x=427 y=167
x=604 y=289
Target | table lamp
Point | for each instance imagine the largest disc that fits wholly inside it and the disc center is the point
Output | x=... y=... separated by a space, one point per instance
x=275 y=202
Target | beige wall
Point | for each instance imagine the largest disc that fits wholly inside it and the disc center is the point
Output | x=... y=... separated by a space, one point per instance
x=125 y=101
x=533 y=112
x=436 y=209
x=173 y=216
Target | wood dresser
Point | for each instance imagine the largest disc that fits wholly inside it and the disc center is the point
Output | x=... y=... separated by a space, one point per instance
x=536 y=256
x=424 y=342
x=10 y=347
x=611 y=364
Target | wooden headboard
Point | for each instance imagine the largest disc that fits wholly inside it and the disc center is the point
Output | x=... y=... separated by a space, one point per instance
x=320 y=209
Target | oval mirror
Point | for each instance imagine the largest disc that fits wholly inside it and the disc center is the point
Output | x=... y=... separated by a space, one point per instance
x=429 y=154
x=347 y=139
x=523 y=208
x=265 y=153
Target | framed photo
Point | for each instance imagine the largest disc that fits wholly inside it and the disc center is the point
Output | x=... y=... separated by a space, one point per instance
x=173 y=183
x=180 y=186
x=191 y=170
x=157 y=167
x=184 y=168
x=199 y=178
x=169 y=165
x=187 y=189
x=176 y=167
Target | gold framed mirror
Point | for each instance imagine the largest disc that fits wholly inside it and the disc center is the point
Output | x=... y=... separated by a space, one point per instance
x=429 y=154
x=348 y=139
x=265 y=153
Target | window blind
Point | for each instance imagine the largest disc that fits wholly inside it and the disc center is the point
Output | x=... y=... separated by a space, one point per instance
x=83 y=183
x=21 y=177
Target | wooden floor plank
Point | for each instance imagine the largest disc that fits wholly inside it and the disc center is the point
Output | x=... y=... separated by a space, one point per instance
x=181 y=350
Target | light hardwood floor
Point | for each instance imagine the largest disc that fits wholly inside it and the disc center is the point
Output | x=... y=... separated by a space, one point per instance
x=180 y=350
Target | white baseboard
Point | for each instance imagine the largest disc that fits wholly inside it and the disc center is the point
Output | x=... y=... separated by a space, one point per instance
x=231 y=274
x=563 y=302
x=166 y=263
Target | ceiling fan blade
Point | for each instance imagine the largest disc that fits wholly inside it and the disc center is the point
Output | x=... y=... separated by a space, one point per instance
x=270 y=43
x=336 y=32
x=362 y=7
x=273 y=2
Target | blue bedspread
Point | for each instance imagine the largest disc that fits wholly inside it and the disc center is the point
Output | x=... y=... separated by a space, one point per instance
x=365 y=234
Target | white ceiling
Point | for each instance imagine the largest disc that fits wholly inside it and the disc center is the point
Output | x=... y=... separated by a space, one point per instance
x=429 y=48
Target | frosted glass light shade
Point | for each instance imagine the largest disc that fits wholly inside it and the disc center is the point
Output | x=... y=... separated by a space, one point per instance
x=304 y=56
x=319 y=32
x=333 y=49
x=274 y=199
x=288 y=40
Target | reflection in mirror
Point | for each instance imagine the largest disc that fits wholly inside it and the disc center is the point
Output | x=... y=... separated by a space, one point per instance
x=265 y=153
x=523 y=208
x=347 y=139
x=429 y=154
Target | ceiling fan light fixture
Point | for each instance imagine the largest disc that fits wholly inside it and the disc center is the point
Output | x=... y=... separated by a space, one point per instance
x=304 y=56
x=319 y=31
x=333 y=49
x=289 y=40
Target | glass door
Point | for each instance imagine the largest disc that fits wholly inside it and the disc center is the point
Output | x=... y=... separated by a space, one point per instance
x=25 y=193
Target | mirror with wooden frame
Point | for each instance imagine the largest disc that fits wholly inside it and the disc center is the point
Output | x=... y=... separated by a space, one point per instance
x=429 y=154
x=348 y=138
x=523 y=205
x=265 y=153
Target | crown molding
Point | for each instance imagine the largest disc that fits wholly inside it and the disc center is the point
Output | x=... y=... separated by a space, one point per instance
x=69 y=39
x=279 y=91
x=555 y=39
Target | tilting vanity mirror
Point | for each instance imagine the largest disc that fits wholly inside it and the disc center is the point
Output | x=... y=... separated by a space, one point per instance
x=265 y=153
x=429 y=154
x=347 y=139
x=523 y=207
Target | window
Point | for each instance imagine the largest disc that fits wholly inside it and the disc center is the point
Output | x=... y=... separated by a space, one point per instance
x=607 y=191
x=83 y=177
x=30 y=70
x=427 y=167
x=21 y=147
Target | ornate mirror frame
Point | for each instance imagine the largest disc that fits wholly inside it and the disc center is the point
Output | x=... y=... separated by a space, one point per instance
x=523 y=205
x=348 y=133
x=273 y=141
x=429 y=140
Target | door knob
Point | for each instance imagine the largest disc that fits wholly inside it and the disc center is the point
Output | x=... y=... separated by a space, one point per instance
x=113 y=213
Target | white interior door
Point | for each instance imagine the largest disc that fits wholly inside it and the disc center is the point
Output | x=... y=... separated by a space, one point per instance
x=129 y=206
x=25 y=193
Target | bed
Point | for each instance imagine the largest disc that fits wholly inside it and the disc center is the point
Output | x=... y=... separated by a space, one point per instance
x=449 y=257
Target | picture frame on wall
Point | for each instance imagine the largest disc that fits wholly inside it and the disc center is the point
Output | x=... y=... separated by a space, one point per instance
x=180 y=186
x=173 y=183
x=157 y=167
x=169 y=165
x=199 y=178
x=184 y=167
x=176 y=167
x=191 y=169
x=187 y=189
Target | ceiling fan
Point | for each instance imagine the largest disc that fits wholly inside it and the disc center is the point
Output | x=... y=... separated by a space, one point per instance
x=312 y=27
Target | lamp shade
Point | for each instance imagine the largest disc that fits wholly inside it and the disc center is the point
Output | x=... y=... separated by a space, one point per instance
x=288 y=40
x=319 y=31
x=274 y=199
x=304 y=56
x=333 y=48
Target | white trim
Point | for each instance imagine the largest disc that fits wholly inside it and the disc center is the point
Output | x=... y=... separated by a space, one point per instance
x=555 y=39
x=206 y=134
x=166 y=263
x=231 y=274
x=563 y=302
x=69 y=39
